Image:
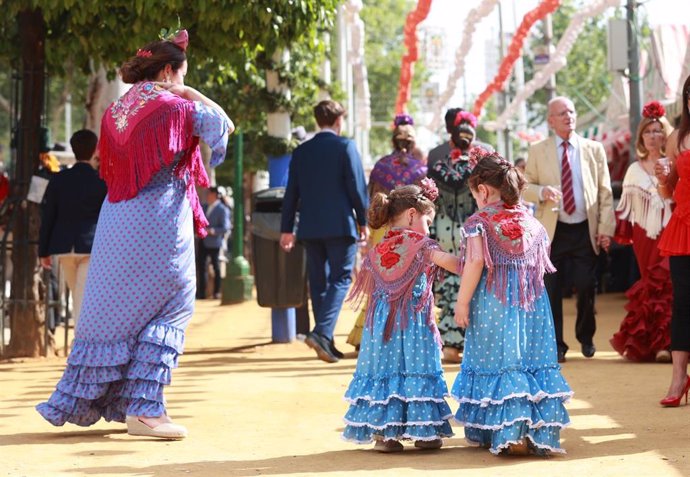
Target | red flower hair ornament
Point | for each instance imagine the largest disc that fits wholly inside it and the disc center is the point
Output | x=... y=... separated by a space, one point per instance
x=429 y=189
x=653 y=110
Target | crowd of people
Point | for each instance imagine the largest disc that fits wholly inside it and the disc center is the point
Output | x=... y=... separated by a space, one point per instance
x=475 y=257
x=466 y=260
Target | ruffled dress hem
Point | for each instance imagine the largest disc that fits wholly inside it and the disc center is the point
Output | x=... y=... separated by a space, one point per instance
x=502 y=408
x=111 y=380
x=645 y=330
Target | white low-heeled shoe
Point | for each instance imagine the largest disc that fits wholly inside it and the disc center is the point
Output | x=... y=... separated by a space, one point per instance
x=168 y=430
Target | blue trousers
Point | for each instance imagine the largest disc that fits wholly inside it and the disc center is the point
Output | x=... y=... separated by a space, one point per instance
x=329 y=266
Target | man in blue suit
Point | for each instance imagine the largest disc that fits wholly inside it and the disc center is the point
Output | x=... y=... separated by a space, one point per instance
x=326 y=185
x=69 y=213
x=218 y=216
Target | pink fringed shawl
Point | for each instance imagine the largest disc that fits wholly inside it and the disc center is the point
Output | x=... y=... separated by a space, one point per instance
x=511 y=240
x=143 y=131
x=394 y=266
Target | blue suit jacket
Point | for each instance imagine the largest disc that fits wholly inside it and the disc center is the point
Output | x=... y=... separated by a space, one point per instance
x=70 y=209
x=326 y=185
x=219 y=224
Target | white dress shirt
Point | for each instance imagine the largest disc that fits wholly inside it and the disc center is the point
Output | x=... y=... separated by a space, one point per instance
x=580 y=214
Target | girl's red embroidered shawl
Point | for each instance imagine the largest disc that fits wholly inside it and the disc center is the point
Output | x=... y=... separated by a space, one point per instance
x=143 y=131
x=511 y=240
x=393 y=267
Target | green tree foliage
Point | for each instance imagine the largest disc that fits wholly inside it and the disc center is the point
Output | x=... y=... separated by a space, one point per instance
x=229 y=41
x=384 y=21
x=586 y=78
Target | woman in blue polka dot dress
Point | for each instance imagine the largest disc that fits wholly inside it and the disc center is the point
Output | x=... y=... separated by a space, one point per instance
x=140 y=287
x=398 y=390
x=510 y=388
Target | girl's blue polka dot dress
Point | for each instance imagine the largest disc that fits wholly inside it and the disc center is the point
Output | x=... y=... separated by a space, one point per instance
x=398 y=390
x=510 y=387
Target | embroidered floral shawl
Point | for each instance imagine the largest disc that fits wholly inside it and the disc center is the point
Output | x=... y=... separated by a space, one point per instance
x=393 y=266
x=142 y=132
x=641 y=203
x=395 y=170
x=453 y=171
x=511 y=240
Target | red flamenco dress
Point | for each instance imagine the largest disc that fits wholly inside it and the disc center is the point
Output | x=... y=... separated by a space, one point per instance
x=642 y=214
x=676 y=238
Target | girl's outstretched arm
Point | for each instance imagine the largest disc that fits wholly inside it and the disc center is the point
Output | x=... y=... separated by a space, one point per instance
x=472 y=273
x=446 y=260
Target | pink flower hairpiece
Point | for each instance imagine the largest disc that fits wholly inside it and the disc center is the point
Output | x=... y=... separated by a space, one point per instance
x=181 y=39
x=429 y=189
x=653 y=110
x=144 y=53
x=467 y=117
x=477 y=154
x=178 y=37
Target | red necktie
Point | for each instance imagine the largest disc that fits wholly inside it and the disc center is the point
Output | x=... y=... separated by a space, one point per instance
x=567 y=182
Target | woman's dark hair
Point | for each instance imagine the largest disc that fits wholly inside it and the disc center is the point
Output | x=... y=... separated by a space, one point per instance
x=150 y=60
x=494 y=171
x=449 y=118
x=684 y=126
x=384 y=208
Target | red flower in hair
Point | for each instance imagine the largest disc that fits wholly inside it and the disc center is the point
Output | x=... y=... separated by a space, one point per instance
x=476 y=154
x=653 y=110
x=429 y=189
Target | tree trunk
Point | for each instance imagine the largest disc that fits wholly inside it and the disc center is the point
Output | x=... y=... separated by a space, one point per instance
x=100 y=94
x=26 y=309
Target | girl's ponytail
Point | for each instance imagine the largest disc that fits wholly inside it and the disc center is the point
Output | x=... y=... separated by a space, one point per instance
x=379 y=211
x=513 y=184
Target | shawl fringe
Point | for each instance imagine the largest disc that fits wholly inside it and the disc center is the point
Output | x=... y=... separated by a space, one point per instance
x=398 y=292
x=531 y=263
x=155 y=141
x=645 y=208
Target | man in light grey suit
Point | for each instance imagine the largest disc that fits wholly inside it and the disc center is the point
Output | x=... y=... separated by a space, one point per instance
x=569 y=181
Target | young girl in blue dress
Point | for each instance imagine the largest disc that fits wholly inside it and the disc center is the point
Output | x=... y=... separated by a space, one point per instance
x=398 y=390
x=510 y=388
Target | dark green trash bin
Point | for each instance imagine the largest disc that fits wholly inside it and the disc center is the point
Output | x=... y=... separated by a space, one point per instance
x=280 y=277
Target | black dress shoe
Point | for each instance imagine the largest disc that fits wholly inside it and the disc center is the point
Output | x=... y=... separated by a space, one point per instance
x=561 y=356
x=322 y=347
x=588 y=350
x=338 y=354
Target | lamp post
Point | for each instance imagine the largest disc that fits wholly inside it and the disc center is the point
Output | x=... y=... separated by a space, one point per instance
x=634 y=74
x=238 y=283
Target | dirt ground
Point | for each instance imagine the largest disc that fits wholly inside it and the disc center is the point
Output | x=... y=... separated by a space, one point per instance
x=256 y=408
